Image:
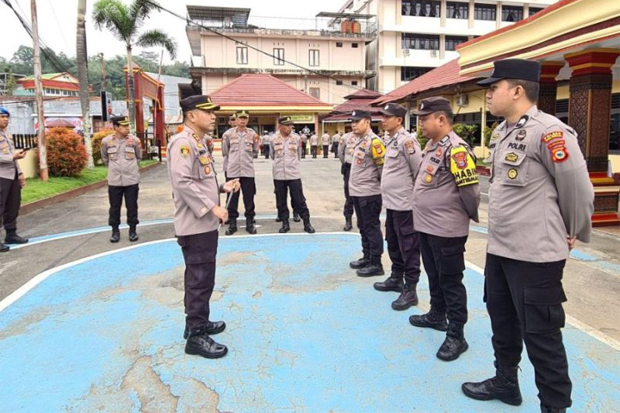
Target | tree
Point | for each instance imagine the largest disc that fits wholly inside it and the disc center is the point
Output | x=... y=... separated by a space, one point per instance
x=124 y=22
x=11 y=84
x=82 y=66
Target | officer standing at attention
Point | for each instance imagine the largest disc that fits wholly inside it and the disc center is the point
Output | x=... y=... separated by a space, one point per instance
x=540 y=202
x=326 y=141
x=285 y=152
x=240 y=145
x=402 y=163
x=314 y=145
x=121 y=153
x=345 y=153
x=304 y=142
x=335 y=143
x=446 y=196
x=365 y=190
x=12 y=180
x=197 y=217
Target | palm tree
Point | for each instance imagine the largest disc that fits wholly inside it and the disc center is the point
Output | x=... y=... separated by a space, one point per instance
x=124 y=21
x=82 y=67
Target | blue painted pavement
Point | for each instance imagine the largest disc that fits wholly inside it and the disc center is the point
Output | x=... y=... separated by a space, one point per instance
x=305 y=334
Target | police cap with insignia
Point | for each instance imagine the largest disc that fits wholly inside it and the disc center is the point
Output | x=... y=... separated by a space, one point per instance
x=203 y=102
x=432 y=105
x=394 y=109
x=243 y=114
x=232 y=117
x=359 y=115
x=513 y=69
x=285 y=120
x=120 y=120
x=4 y=112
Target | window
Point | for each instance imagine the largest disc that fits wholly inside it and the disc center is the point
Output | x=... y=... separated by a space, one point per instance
x=338 y=82
x=409 y=73
x=354 y=83
x=453 y=41
x=534 y=10
x=421 y=8
x=338 y=44
x=242 y=55
x=314 y=57
x=485 y=12
x=278 y=57
x=512 y=13
x=456 y=10
x=354 y=45
x=420 y=41
x=315 y=92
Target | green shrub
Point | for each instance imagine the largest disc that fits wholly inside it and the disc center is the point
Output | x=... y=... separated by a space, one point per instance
x=66 y=152
x=96 y=144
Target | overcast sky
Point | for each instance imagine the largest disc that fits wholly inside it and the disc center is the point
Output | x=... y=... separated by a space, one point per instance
x=57 y=23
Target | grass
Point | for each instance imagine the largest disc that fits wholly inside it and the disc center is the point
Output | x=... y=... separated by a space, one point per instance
x=36 y=189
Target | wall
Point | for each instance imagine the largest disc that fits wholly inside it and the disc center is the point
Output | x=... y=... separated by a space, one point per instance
x=29 y=164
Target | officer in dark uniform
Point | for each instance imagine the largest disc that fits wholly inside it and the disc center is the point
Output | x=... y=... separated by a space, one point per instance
x=197 y=217
x=540 y=201
x=12 y=180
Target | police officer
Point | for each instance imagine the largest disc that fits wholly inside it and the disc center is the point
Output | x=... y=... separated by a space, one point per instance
x=304 y=142
x=240 y=146
x=197 y=216
x=12 y=180
x=265 y=142
x=325 y=140
x=121 y=153
x=335 y=143
x=540 y=201
x=285 y=152
x=402 y=163
x=446 y=197
x=314 y=145
x=365 y=190
x=345 y=153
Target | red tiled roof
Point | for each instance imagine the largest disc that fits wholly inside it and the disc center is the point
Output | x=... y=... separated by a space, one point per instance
x=364 y=94
x=262 y=90
x=359 y=100
x=445 y=75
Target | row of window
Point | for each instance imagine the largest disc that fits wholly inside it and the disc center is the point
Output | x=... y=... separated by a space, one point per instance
x=314 y=56
x=459 y=10
x=429 y=41
x=410 y=73
x=59 y=92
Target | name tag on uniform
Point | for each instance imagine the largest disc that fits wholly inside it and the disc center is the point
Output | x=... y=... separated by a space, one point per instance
x=392 y=152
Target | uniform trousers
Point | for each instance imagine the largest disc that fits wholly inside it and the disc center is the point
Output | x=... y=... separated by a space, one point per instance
x=444 y=262
x=298 y=200
x=524 y=300
x=116 y=194
x=266 y=151
x=368 y=210
x=325 y=151
x=314 y=150
x=199 y=253
x=335 y=149
x=348 y=203
x=303 y=150
x=10 y=201
x=248 y=188
x=403 y=244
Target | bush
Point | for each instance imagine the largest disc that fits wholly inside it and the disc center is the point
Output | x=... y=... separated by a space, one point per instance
x=487 y=134
x=96 y=144
x=466 y=132
x=66 y=152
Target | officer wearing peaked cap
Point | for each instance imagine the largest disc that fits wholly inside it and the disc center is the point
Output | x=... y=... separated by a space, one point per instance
x=197 y=217
x=540 y=202
x=446 y=197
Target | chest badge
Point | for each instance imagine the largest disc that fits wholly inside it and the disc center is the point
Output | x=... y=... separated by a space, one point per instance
x=513 y=173
x=428 y=178
x=521 y=135
x=511 y=157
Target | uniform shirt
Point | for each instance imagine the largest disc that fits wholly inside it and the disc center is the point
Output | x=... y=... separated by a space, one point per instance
x=240 y=147
x=8 y=165
x=194 y=184
x=285 y=152
x=336 y=138
x=325 y=139
x=346 y=147
x=540 y=190
x=314 y=140
x=304 y=138
x=365 y=178
x=446 y=192
x=122 y=157
x=402 y=163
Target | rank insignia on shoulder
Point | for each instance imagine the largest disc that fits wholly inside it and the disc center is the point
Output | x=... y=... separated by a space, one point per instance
x=185 y=151
x=521 y=135
x=511 y=157
x=513 y=173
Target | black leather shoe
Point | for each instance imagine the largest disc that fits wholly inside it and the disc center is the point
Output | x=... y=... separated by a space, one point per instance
x=250 y=228
x=371 y=270
x=4 y=248
x=285 y=227
x=393 y=283
x=199 y=343
x=278 y=220
x=432 y=319
x=406 y=300
x=361 y=263
x=133 y=235
x=212 y=328
x=232 y=227
x=116 y=236
x=547 y=409
x=296 y=217
x=503 y=387
x=452 y=348
x=13 y=238
x=307 y=227
x=348 y=225
x=227 y=222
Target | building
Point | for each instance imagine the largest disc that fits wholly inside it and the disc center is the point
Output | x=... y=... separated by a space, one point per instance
x=415 y=36
x=327 y=53
x=339 y=119
x=54 y=84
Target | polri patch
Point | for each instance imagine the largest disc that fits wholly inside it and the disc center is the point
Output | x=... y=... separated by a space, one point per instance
x=185 y=151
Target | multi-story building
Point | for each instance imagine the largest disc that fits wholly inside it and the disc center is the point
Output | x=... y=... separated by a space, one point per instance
x=54 y=84
x=324 y=57
x=415 y=36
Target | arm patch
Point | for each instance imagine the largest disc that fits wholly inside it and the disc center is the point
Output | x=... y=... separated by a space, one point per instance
x=463 y=167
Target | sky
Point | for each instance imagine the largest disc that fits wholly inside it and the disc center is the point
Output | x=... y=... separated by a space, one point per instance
x=57 y=23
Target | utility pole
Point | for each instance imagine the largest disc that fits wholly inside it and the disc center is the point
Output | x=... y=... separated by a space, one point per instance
x=82 y=67
x=43 y=173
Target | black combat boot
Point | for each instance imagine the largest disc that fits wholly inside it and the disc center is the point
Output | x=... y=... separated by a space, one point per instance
x=133 y=235
x=116 y=235
x=285 y=227
x=307 y=227
x=547 y=409
x=374 y=268
x=393 y=283
x=454 y=345
x=199 y=343
x=278 y=219
x=348 y=224
x=407 y=299
x=296 y=217
x=13 y=238
x=504 y=387
x=212 y=328
x=433 y=319
x=249 y=226
x=4 y=248
x=361 y=263
x=232 y=226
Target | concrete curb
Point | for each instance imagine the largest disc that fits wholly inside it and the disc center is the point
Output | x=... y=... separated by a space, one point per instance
x=42 y=203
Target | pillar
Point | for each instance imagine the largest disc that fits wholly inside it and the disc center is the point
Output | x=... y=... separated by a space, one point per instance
x=549 y=86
